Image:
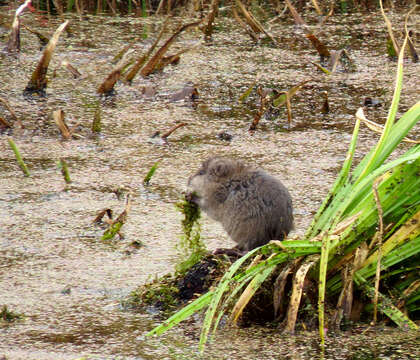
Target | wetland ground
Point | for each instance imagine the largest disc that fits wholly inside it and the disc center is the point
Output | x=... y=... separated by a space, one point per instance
x=55 y=269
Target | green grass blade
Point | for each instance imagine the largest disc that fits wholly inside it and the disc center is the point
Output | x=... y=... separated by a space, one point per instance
x=376 y=156
x=183 y=314
x=317 y=224
x=217 y=295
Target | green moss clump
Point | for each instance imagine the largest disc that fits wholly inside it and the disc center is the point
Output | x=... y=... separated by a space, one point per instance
x=161 y=293
x=191 y=248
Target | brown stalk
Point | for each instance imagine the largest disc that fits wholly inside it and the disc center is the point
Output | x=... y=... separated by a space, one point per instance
x=171 y=130
x=208 y=30
x=14 y=41
x=173 y=59
x=142 y=59
x=264 y=100
x=154 y=61
x=8 y=107
x=38 y=81
x=280 y=284
x=319 y=46
x=243 y=25
x=5 y=123
x=58 y=116
x=253 y=22
x=76 y=74
x=316 y=6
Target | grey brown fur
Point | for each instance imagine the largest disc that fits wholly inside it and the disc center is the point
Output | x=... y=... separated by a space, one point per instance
x=252 y=206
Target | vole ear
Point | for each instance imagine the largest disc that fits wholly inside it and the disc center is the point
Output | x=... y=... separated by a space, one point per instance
x=220 y=168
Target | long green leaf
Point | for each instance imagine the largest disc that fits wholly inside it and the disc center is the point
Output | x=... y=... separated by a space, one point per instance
x=183 y=314
x=218 y=293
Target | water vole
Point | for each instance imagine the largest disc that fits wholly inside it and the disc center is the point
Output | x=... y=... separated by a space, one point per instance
x=253 y=206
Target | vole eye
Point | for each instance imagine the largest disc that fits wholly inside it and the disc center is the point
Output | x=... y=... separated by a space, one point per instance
x=201 y=172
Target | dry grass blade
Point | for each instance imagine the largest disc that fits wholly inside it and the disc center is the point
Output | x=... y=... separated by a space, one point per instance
x=154 y=61
x=319 y=46
x=380 y=238
x=174 y=59
x=398 y=238
x=264 y=100
x=389 y=27
x=345 y=300
x=297 y=291
x=282 y=98
x=250 y=19
x=58 y=116
x=378 y=127
x=280 y=284
x=116 y=225
x=38 y=80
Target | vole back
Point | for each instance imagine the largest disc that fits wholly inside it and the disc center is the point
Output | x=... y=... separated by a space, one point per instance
x=253 y=206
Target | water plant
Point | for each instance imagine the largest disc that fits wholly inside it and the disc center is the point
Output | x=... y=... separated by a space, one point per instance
x=190 y=247
x=346 y=243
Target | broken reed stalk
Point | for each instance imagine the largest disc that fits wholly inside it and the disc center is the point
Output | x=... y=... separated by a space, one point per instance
x=13 y=45
x=319 y=46
x=208 y=30
x=142 y=59
x=58 y=116
x=76 y=74
x=380 y=238
x=42 y=38
x=154 y=61
x=62 y=165
x=253 y=22
x=18 y=157
x=38 y=81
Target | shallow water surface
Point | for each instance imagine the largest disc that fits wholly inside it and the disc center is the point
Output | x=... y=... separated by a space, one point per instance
x=55 y=269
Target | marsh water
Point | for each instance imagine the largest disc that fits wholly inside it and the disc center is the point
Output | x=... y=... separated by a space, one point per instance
x=54 y=267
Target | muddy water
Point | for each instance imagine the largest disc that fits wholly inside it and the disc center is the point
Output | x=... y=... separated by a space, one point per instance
x=55 y=269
